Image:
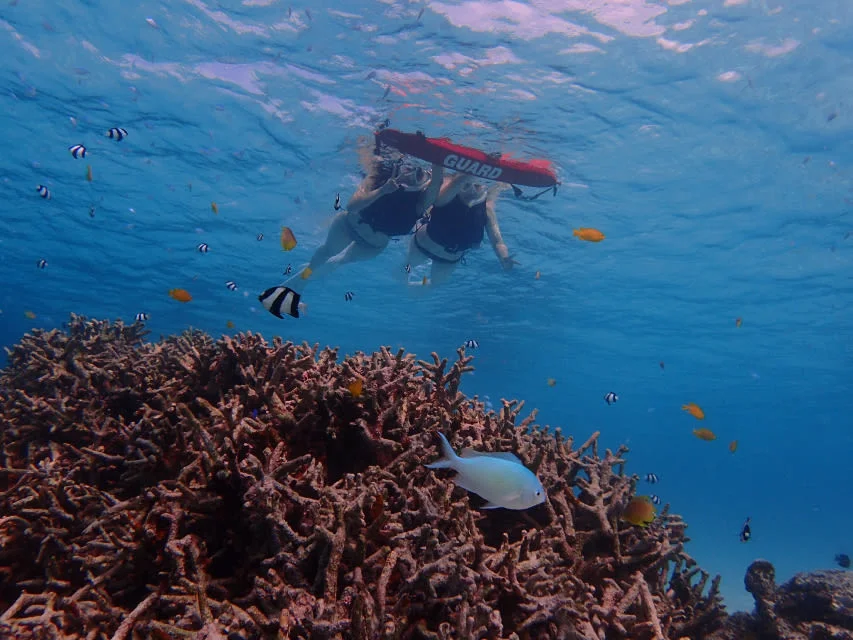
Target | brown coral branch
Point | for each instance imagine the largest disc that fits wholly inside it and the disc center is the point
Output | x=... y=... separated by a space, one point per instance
x=246 y=485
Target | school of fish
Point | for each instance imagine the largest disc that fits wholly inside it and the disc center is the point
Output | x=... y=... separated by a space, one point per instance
x=500 y=478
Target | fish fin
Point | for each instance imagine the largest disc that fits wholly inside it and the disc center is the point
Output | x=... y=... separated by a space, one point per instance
x=468 y=452
x=448 y=459
x=462 y=482
x=491 y=505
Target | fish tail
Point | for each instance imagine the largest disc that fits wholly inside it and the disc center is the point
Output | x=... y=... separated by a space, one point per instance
x=449 y=457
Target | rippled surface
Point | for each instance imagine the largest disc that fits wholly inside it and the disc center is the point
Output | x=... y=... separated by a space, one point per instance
x=709 y=141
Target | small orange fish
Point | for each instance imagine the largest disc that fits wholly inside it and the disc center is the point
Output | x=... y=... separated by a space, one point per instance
x=705 y=434
x=738 y=322
x=288 y=240
x=89 y=173
x=181 y=295
x=588 y=234
x=306 y=273
x=356 y=387
x=424 y=281
x=229 y=324
x=30 y=315
x=694 y=410
x=733 y=446
x=639 y=511
x=537 y=275
x=214 y=207
x=552 y=382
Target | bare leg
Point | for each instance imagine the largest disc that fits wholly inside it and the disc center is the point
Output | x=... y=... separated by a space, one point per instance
x=338 y=238
x=441 y=272
x=356 y=251
x=414 y=257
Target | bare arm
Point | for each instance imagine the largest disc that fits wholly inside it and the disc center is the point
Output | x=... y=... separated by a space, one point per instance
x=494 y=231
x=430 y=195
x=364 y=197
x=451 y=187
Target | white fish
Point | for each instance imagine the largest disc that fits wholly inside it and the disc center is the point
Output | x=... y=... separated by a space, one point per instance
x=499 y=477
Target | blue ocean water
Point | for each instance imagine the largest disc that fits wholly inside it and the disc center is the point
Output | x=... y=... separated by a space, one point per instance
x=708 y=140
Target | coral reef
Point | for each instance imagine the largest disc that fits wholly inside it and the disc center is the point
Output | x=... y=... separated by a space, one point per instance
x=239 y=489
x=810 y=606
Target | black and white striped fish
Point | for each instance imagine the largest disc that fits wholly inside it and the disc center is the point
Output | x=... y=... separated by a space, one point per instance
x=408 y=268
x=288 y=270
x=348 y=296
x=610 y=397
x=651 y=478
x=280 y=299
x=203 y=248
x=260 y=237
x=117 y=133
x=41 y=264
x=77 y=150
x=44 y=192
x=471 y=344
x=655 y=499
x=232 y=286
x=338 y=205
x=745 y=532
x=142 y=317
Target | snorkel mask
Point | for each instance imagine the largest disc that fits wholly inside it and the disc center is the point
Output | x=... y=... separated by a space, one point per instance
x=473 y=193
x=411 y=177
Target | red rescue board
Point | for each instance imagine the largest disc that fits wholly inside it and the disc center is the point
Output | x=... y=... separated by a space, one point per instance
x=532 y=173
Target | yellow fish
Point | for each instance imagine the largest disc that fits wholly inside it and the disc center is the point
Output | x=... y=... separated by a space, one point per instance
x=552 y=382
x=30 y=315
x=288 y=240
x=694 y=410
x=214 y=207
x=639 y=512
x=181 y=295
x=733 y=446
x=738 y=322
x=356 y=387
x=306 y=273
x=89 y=173
x=705 y=434
x=588 y=234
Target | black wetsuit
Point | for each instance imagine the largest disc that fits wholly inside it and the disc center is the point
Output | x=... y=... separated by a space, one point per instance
x=456 y=226
x=393 y=214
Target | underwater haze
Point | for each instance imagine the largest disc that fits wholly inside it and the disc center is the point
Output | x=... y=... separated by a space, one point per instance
x=708 y=140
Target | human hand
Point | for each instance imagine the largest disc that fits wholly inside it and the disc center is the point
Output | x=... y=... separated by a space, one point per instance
x=390 y=186
x=508 y=263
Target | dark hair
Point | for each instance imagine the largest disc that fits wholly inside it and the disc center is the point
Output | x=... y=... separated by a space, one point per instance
x=382 y=170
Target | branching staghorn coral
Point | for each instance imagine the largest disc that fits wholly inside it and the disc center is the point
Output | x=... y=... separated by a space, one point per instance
x=239 y=489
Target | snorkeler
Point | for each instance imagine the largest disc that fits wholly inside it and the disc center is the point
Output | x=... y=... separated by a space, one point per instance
x=463 y=211
x=393 y=196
